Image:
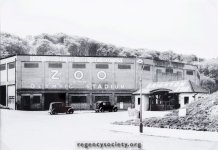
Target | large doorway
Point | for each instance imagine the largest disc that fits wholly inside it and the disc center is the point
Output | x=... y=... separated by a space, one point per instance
x=31 y=102
x=79 y=101
x=54 y=97
x=25 y=102
x=3 y=95
x=124 y=101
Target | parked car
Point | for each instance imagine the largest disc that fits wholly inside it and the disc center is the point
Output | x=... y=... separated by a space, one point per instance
x=4 y=107
x=102 y=106
x=60 y=107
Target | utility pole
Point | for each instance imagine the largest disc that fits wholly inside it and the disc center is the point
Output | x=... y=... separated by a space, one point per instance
x=140 y=62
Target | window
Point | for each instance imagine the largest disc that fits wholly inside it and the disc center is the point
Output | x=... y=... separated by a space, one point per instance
x=36 y=99
x=146 y=67
x=124 y=66
x=55 y=65
x=11 y=65
x=2 y=67
x=106 y=103
x=125 y=99
x=190 y=72
x=78 y=99
x=186 y=100
x=169 y=70
x=138 y=101
x=31 y=65
x=79 y=66
x=102 y=66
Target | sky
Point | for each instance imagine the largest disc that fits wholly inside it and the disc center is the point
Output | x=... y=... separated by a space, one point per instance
x=183 y=26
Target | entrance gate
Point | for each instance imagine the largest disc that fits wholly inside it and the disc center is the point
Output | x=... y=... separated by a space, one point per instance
x=161 y=99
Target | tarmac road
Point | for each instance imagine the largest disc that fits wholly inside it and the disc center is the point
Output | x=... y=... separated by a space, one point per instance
x=37 y=130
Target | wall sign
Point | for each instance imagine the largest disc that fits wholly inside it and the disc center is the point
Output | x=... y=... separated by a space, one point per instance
x=55 y=75
x=86 y=86
x=78 y=75
x=101 y=75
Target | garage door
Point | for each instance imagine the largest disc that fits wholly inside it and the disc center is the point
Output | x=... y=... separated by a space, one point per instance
x=79 y=101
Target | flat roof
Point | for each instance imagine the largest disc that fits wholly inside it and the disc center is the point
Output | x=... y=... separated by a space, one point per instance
x=97 y=57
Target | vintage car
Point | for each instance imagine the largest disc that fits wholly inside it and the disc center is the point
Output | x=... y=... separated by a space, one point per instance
x=102 y=106
x=60 y=107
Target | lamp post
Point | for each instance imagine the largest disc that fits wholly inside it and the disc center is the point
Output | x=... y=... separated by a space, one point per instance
x=140 y=62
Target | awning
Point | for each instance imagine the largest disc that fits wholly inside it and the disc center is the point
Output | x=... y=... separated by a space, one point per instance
x=160 y=90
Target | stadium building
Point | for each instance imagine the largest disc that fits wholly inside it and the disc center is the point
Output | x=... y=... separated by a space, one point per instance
x=31 y=82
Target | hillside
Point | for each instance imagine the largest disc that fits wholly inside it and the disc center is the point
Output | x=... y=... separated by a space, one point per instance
x=63 y=44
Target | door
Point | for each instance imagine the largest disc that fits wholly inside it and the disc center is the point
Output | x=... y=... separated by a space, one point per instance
x=36 y=103
x=54 y=97
x=3 y=95
x=25 y=102
x=124 y=101
x=79 y=101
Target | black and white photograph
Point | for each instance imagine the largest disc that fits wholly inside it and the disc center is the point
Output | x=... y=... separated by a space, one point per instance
x=108 y=75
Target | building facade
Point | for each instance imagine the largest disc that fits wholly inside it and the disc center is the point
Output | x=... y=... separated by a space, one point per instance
x=31 y=82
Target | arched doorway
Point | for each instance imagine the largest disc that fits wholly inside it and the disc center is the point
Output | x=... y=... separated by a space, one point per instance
x=162 y=99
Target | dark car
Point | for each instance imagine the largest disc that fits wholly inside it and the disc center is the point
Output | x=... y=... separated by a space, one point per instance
x=4 y=107
x=102 y=106
x=59 y=107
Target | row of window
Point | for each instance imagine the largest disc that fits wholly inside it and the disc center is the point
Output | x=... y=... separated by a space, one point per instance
x=186 y=100
x=10 y=66
x=170 y=71
x=81 y=66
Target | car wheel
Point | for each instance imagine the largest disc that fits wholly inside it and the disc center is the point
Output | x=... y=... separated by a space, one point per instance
x=115 y=109
x=70 y=111
x=101 y=109
x=53 y=112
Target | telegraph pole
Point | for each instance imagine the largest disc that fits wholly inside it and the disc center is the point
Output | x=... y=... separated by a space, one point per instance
x=140 y=62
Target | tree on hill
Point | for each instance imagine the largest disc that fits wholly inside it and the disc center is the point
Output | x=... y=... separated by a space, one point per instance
x=168 y=56
x=44 y=48
x=11 y=45
x=154 y=54
x=208 y=83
